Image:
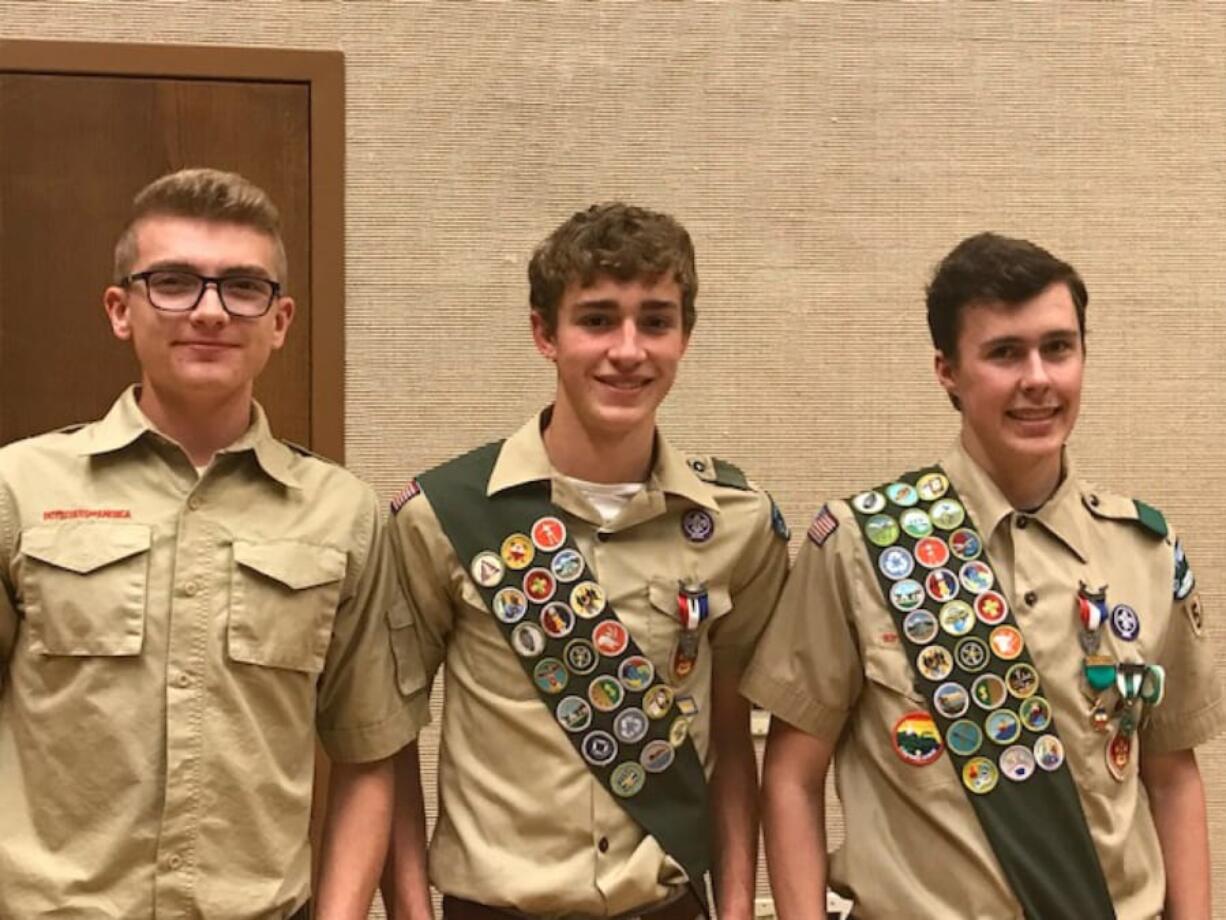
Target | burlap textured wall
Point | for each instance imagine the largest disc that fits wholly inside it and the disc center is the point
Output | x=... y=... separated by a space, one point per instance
x=824 y=156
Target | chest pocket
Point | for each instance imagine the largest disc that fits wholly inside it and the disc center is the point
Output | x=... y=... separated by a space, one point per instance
x=84 y=587
x=664 y=628
x=283 y=598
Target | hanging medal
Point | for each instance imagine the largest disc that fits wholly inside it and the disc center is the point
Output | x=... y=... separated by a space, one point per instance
x=693 y=607
x=1099 y=670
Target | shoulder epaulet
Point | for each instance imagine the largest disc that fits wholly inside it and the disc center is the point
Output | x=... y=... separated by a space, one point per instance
x=306 y=451
x=720 y=472
x=1118 y=508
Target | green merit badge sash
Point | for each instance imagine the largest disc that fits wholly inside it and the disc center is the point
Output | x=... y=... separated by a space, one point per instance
x=985 y=697
x=596 y=683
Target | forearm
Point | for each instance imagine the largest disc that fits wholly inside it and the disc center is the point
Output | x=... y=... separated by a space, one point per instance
x=794 y=820
x=734 y=807
x=355 y=839
x=1177 y=802
x=405 y=885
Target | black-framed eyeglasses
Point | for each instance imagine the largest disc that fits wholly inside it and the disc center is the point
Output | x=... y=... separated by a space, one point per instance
x=178 y=291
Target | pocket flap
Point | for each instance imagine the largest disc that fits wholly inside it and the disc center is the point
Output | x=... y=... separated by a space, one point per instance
x=296 y=565
x=82 y=548
x=663 y=594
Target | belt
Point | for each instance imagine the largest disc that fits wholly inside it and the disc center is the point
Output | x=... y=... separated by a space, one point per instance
x=685 y=907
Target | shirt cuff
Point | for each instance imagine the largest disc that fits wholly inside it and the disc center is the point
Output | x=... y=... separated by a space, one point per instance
x=798 y=710
x=379 y=740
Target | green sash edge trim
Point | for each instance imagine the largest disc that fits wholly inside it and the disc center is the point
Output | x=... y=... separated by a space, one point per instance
x=728 y=474
x=672 y=806
x=1051 y=865
x=1151 y=518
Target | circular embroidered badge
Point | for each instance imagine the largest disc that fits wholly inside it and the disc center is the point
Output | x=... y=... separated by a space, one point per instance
x=605 y=693
x=920 y=627
x=1035 y=713
x=567 y=565
x=1002 y=726
x=539 y=585
x=574 y=714
x=1017 y=763
x=1006 y=642
x=895 y=563
x=550 y=675
x=510 y=605
x=957 y=618
x=951 y=700
x=487 y=569
x=587 y=599
x=916 y=739
x=557 y=620
x=915 y=523
x=972 y=654
x=599 y=748
x=580 y=656
x=942 y=585
x=1125 y=623
x=990 y=608
x=528 y=640
x=610 y=638
x=934 y=662
x=976 y=577
x=965 y=544
x=1049 y=753
x=636 y=673
x=932 y=486
x=630 y=726
x=947 y=513
x=658 y=701
x=989 y=691
x=964 y=737
x=932 y=552
x=698 y=525
x=548 y=533
x=980 y=775
x=518 y=551
x=881 y=530
x=869 y=502
x=657 y=756
x=1022 y=680
x=627 y=779
x=906 y=595
x=902 y=494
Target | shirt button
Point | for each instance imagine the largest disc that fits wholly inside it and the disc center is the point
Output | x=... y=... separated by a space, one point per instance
x=191 y=588
x=1031 y=598
x=184 y=680
x=194 y=503
x=175 y=861
x=604 y=536
x=603 y=845
x=1094 y=501
x=1022 y=522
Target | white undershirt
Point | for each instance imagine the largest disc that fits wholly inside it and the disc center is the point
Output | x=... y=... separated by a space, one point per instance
x=608 y=498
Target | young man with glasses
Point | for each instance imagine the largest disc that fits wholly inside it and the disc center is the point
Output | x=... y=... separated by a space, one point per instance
x=1007 y=666
x=184 y=599
x=595 y=594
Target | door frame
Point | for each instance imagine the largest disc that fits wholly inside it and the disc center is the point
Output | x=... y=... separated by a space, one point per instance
x=324 y=74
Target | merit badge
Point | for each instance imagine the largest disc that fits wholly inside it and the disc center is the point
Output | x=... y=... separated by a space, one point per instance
x=557 y=620
x=778 y=523
x=915 y=523
x=881 y=530
x=697 y=525
x=1003 y=726
x=906 y=595
x=989 y=691
x=567 y=565
x=411 y=490
x=942 y=585
x=658 y=701
x=510 y=605
x=487 y=569
x=957 y=618
x=1125 y=623
x=950 y=700
x=657 y=756
x=972 y=654
x=599 y=748
x=539 y=585
x=627 y=779
x=548 y=533
x=1006 y=642
x=587 y=599
x=935 y=662
x=1099 y=671
x=518 y=551
x=916 y=739
x=869 y=502
x=932 y=552
x=1017 y=763
x=679 y=731
x=980 y=775
x=964 y=737
x=574 y=714
x=610 y=638
x=605 y=693
x=965 y=544
x=824 y=524
x=932 y=486
x=1153 y=687
x=636 y=673
x=1049 y=753
x=528 y=640
x=902 y=494
x=580 y=656
x=976 y=577
x=990 y=608
x=630 y=726
x=1185 y=581
x=686 y=705
x=895 y=563
x=1119 y=752
x=1022 y=680
x=920 y=627
x=550 y=675
x=1035 y=713
x=947 y=513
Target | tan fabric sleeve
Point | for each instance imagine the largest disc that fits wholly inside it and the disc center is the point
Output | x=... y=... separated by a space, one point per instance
x=372 y=699
x=807 y=669
x=1194 y=709
x=755 y=590
x=8 y=595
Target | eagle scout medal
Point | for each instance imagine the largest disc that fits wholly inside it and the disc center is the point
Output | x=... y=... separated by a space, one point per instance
x=656 y=756
x=931 y=552
x=915 y=523
x=958 y=619
x=487 y=569
x=557 y=620
x=605 y=693
x=587 y=599
x=935 y=663
x=1125 y=623
x=574 y=714
x=698 y=525
x=1017 y=763
x=693 y=608
x=964 y=737
x=1049 y=753
x=1119 y=752
x=980 y=775
x=902 y=494
x=539 y=585
x=920 y=627
x=510 y=605
x=869 y=502
x=610 y=638
x=550 y=675
x=548 y=533
x=628 y=779
x=566 y=566
x=518 y=551
x=916 y=739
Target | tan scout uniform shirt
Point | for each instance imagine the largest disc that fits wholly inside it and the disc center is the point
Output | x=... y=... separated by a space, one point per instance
x=833 y=664
x=522 y=822
x=168 y=645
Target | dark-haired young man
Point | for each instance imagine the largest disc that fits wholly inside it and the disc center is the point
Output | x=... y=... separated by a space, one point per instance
x=595 y=595
x=184 y=601
x=1007 y=666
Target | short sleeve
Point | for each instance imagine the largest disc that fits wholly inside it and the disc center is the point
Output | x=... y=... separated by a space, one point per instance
x=8 y=595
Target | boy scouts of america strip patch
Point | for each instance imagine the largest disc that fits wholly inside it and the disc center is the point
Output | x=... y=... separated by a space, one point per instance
x=824 y=524
x=405 y=494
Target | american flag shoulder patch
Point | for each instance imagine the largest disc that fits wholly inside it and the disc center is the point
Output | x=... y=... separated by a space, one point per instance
x=824 y=524
x=412 y=489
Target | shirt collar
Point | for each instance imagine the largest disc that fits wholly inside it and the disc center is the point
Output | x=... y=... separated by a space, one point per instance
x=1062 y=515
x=125 y=423
x=523 y=459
